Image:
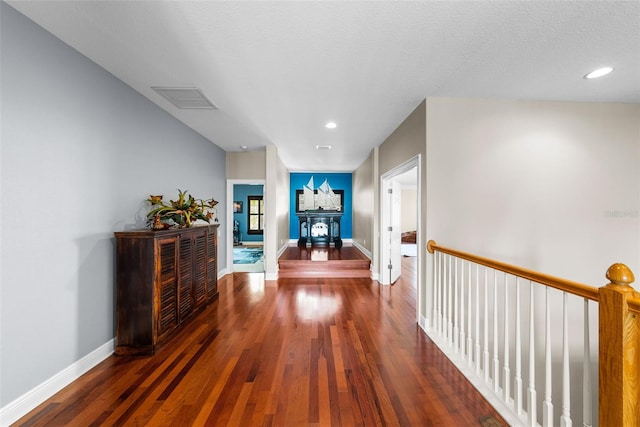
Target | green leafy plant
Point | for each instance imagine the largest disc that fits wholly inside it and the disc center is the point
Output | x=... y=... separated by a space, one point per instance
x=181 y=212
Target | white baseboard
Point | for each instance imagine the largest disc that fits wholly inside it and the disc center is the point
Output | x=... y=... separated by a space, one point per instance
x=504 y=409
x=283 y=248
x=424 y=323
x=270 y=276
x=362 y=249
x=34 y=397
x=222 y=273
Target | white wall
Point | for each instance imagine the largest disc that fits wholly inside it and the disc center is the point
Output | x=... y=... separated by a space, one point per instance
x=550 y=186
x=409 y=209
x=277 y=211
x=80 y=153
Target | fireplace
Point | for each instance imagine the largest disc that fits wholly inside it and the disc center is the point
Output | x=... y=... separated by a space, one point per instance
x=320 y=228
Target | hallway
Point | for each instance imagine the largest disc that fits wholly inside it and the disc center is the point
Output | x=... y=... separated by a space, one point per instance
x=292 y=352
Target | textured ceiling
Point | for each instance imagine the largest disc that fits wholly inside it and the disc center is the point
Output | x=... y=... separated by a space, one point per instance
x=278 y=71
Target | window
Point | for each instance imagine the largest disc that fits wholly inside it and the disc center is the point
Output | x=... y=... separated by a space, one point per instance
x=255 y=215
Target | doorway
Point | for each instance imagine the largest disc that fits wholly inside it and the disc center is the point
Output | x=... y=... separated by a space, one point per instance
x=245 y=216
x=401 y=221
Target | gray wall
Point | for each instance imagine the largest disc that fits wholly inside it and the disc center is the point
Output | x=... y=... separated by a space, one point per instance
x=80 y=153
x=246 y=164
x=406 y=142
x=363 y=205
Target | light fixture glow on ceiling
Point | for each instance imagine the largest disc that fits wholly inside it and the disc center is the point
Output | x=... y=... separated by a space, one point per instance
x=323 y=147
x=599 y=73
x=331 y=125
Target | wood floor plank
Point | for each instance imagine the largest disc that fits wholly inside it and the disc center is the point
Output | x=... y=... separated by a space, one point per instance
x=292 y=352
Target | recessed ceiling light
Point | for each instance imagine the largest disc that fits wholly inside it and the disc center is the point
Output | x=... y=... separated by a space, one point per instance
x=323 y=147
x=599 y=73
x=331 y=125
x=244 y=147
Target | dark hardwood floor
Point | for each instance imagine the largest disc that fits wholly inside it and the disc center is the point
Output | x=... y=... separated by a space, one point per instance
x=293 y=352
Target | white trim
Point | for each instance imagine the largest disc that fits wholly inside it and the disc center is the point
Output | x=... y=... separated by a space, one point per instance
x=229 y=214
x=424 y=323
x=367 y=253
x=407 y=165
x=362 y=249
x=21 y=406
x=270 y=276
x=281 y=250
x=469 y=373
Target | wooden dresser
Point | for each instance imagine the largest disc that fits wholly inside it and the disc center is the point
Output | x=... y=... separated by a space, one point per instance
x=162 y=279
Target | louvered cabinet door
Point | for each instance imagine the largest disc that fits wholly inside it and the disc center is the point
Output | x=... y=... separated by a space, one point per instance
x=200 y=268
x=167 y=286
x=212 y=262
x=186 y=276
x=162 y=279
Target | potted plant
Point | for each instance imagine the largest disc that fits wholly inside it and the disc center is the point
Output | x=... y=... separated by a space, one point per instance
x=182 y=212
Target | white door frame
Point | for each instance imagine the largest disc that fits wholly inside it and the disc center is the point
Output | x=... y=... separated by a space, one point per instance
x=390 y=239
x=414 y=162
x=230 y=184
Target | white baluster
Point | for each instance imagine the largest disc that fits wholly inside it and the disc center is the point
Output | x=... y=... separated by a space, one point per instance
x=440 y=293
x=436 y=292
x=586 y=371
x=506 y=371
x=485 y=356
x=463 y=297
x=434 y=303
x=517 y=382
x=565 y=419
x=477 y=309
x=547 y=405
x=469 y=339
x=496 y=358
x=456 y=315
x=532 y=407
x=449 y=308
x=445 y=292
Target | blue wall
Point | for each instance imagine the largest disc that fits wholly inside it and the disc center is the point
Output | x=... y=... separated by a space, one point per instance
x=240 y=194
x=337 y=181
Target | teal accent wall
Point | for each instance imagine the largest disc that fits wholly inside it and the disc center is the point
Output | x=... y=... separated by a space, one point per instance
x=337 y=181
x=241 y=192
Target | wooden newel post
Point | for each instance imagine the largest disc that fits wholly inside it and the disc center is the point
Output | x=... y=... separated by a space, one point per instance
x=619 y=351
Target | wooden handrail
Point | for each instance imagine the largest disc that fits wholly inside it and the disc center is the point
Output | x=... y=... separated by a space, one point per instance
x=618 y=332
x=569 y=286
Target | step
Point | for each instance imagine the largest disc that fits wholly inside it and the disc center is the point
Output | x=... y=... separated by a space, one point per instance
x=347 y=262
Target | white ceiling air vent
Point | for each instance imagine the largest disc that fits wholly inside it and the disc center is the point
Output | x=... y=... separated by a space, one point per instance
x=185 y=97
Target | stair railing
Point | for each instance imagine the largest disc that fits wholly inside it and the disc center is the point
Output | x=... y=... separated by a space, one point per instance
x=489 y=317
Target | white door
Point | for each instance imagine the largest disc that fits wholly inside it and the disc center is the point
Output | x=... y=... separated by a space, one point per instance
x=391 y=262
